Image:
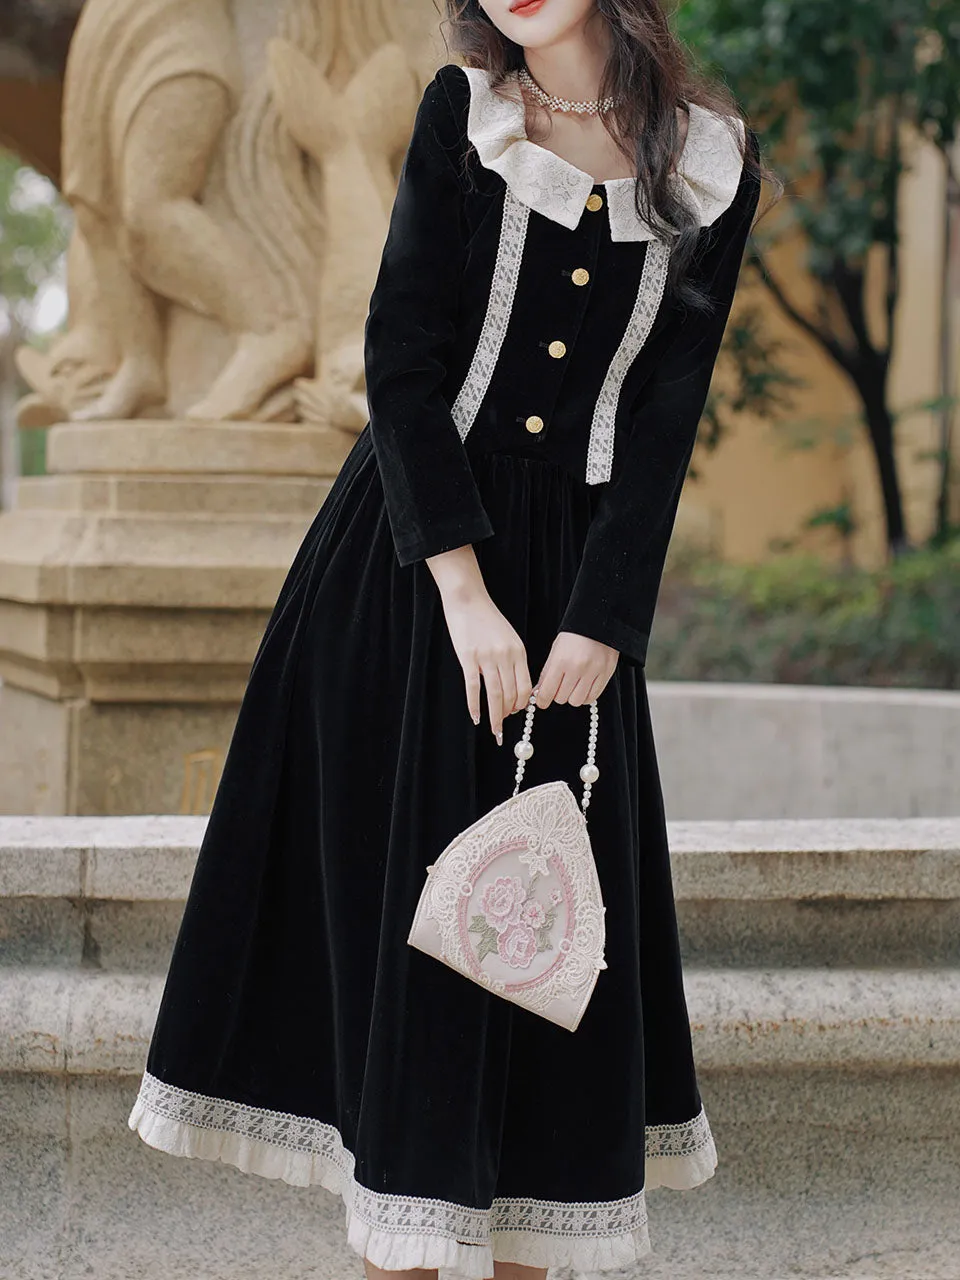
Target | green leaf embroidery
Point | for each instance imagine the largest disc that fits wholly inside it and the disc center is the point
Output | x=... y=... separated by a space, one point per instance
x=543 y=933
x=488 y=944
x=488 y=936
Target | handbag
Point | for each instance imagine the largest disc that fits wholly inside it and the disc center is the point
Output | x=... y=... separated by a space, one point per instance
x=513 y=902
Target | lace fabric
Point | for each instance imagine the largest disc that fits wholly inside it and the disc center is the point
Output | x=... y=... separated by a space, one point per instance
x=537 y=178
x=653 y=280
x=404 y=1232
x=707 y=175
x=503 y=286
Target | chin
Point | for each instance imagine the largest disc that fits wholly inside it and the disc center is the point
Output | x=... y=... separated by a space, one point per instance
x=540 y=25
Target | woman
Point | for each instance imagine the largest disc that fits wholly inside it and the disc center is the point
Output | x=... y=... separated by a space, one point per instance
x=538 y=349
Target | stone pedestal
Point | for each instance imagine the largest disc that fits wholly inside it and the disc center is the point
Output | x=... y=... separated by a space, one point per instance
x=135 y=582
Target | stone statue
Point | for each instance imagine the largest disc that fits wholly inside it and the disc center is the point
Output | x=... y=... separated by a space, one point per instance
x=350 y=135
x=204 y=186
x=232 y=164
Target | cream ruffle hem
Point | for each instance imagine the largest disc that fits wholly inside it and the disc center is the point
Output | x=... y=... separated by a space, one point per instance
x=399 y=1233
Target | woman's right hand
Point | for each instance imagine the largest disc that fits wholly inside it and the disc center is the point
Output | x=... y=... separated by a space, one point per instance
x=485 y=642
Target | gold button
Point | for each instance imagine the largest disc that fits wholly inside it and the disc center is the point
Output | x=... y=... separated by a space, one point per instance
x=557 y=348
x=534 y=423
x=580 y=276
x=594 y=201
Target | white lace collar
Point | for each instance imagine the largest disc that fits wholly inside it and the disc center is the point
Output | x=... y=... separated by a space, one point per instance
x=708 y=170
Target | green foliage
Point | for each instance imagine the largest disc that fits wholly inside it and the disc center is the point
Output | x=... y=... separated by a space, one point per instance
x=33 y=453
x=838 y=63
x=839 y=518
x=834 y=90
x=825 y=83
x=797 y=620
x=34 y=228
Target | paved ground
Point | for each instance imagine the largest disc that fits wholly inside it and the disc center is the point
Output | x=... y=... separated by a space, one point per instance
x=798 y=1195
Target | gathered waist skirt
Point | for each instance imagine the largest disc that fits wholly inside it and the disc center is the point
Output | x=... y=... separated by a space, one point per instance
x=301 y=1037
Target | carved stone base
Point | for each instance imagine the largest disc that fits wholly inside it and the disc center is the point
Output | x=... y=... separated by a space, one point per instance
x=135 y=582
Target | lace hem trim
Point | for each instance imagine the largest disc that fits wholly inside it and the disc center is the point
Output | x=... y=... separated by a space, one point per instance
x=405 y=1232
x=679 y=1156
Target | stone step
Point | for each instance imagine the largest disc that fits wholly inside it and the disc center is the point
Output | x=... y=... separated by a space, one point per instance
x=843 y=893
x=214 y=495
x=86 y=1021
x=146 y=857
x=828 y=892
x=153 y=447
x=833 y=1092
x=133 y=936
x=179 y=560
x=730 y=750
x=823 y=1175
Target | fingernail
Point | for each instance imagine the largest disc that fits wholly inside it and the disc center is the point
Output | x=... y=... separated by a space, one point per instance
x=499 y=739
x=475 y=719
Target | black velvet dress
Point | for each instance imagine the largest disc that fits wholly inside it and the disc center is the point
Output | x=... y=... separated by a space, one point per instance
x=532 y=391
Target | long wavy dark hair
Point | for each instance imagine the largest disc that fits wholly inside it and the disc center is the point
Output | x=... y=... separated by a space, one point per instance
x=650 y=74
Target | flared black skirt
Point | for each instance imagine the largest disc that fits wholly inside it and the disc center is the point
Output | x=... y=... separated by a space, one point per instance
x=301 y=1037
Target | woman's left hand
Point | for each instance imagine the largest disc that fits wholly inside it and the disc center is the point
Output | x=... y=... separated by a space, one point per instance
x=576 y=670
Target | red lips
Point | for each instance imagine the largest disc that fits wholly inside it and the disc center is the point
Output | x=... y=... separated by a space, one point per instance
x=526 y=6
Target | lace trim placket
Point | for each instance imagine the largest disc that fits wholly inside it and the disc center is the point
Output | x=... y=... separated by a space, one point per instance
x=649 y=296
x=401 y=1232
x=503 y=286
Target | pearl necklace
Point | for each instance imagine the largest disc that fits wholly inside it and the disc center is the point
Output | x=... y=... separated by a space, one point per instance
x=563 y=104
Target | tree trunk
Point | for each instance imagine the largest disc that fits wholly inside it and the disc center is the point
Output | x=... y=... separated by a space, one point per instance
x=948 y=294
x=879 y=423
x=867 y=369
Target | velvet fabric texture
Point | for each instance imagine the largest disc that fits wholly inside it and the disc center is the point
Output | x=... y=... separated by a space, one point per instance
x=299 y=1036
x=425 y=320
x=354 y=761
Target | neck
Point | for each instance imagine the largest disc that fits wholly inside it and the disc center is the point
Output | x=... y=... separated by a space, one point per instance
x=572 y=65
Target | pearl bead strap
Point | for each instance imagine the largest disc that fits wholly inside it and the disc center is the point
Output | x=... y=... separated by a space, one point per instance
x=523 y=750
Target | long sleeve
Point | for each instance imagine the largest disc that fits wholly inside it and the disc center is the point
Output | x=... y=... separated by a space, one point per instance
x=615 y=591
x=432 y=500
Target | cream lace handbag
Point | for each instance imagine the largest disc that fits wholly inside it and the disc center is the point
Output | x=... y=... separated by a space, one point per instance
x=513 y=902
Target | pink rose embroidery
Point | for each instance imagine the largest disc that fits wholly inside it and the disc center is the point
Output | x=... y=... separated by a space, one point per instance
x=517 y=945
x=533 y=914
x=556 y=896
x=501 y=902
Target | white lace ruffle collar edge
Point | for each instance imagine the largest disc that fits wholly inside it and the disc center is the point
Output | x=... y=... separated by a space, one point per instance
x=708 y=172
